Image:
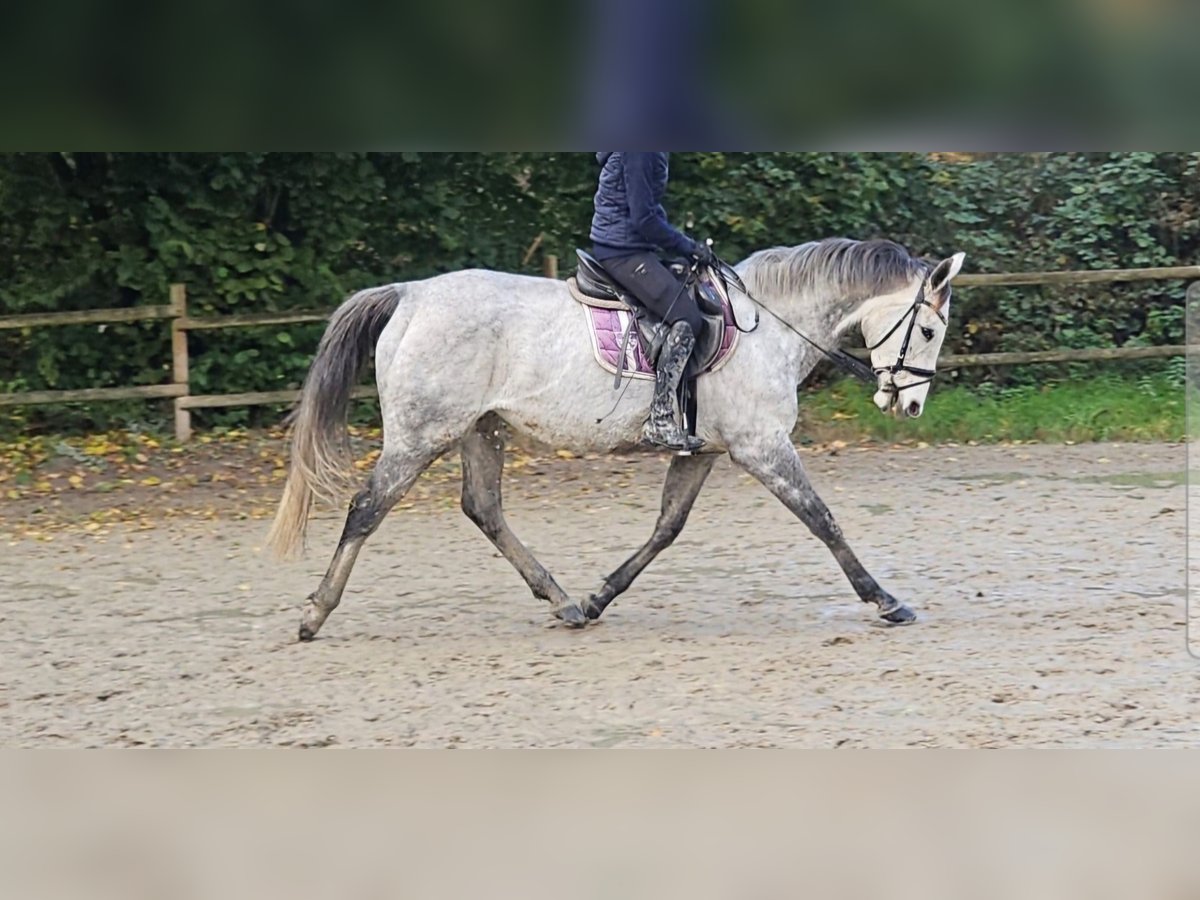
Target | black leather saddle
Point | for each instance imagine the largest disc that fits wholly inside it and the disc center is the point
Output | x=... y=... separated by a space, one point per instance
x=593 y=281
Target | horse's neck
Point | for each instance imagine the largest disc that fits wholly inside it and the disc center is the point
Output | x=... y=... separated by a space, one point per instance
x=817 y=314
x=817 y=310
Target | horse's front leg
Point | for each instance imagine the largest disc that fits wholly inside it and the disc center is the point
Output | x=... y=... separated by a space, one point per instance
x=776 y=464
x=685 y=477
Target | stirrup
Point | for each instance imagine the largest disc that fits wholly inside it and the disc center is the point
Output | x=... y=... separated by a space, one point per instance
x=689 y=445
x=695 y=445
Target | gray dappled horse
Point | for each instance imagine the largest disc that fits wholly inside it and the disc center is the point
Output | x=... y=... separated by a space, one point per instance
x=461 y=355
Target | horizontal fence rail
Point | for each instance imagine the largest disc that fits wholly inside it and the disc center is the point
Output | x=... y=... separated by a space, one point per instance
x=178 y=390
x=144 y=392
x=1086 y=354
x=1089 y=276
x=88 y=317
x=252 y=320
x=256 y=398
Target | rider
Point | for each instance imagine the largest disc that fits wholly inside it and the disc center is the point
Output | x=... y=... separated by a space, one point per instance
x=628 y=226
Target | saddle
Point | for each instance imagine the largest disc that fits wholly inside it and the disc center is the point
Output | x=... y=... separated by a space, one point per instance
x=592 y=286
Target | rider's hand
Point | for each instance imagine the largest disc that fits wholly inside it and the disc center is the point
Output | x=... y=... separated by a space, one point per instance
x=704 y=255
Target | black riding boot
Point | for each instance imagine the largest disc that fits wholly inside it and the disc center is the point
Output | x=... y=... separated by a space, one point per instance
x=663 y=427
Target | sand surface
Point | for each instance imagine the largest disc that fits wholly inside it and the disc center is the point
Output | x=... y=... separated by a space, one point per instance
x=1049 y=582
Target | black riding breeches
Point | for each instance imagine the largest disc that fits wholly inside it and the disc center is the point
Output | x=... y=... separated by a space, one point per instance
x=644 y=276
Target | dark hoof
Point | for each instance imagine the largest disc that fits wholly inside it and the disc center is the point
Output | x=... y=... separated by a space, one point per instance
x=306 y=634
x=901 y=615
x=592 y=608
x=571 y=615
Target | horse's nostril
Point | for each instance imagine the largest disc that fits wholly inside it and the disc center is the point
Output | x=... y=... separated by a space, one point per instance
x=914 y=409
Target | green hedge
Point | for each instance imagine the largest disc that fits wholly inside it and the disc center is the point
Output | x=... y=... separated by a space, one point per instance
x=266 y=232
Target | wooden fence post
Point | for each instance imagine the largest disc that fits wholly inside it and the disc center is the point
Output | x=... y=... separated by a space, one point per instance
x=550 y=265
x=179 y=361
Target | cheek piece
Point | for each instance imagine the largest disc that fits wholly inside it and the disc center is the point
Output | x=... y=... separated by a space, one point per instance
x=909 y=316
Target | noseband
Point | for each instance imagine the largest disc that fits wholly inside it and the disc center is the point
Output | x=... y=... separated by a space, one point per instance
x=899 y=365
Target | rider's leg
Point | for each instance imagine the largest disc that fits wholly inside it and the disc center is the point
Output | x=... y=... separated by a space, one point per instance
x=663 y=428
x=644 y=276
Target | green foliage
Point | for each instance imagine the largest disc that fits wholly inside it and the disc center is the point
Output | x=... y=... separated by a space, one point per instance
x=278 y=231
x=1044 y=212
x=1096 y=408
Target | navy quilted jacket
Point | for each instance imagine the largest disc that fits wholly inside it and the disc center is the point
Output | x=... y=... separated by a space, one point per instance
x=629 y=215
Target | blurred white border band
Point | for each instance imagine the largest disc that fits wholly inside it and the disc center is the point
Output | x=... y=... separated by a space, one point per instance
x=602 y=824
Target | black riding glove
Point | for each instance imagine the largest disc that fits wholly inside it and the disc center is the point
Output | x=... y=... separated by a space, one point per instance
x=704 y=255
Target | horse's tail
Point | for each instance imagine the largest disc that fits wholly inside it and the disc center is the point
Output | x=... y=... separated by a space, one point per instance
x=320 y=450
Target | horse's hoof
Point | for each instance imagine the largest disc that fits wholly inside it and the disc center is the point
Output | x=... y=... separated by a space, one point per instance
x=592 y=608
x=901 y=615
x=306 y=634
x=571 y=615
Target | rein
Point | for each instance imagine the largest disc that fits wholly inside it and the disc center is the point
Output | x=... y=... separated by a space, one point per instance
x=838 y=357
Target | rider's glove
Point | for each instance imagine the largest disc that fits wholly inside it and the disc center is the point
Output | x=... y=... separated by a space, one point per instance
x=703 y=254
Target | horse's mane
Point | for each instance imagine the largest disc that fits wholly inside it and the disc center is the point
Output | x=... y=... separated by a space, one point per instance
x=853 y=270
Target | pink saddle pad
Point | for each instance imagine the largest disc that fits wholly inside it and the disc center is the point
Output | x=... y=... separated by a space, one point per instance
x=607 y=328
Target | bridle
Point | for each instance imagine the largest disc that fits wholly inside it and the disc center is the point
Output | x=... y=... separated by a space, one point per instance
x=927 y=375
x=844 y=360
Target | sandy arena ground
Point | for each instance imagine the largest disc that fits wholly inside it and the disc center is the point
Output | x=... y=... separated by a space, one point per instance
x=1049 y=582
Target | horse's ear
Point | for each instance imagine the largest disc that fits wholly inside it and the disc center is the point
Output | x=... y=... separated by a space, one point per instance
x=945 y=271
x=942 y=275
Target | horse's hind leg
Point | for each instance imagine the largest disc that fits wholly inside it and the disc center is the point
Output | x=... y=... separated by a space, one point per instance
x=393 y=475
x=776 y=464
x=685 y=477
x=483 y=464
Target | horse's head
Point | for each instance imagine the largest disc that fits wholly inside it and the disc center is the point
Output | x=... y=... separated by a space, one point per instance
x=904 y=332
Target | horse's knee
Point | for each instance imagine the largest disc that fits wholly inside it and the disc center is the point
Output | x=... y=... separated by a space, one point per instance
x=819 y=516
x=366 y=512
x=470 y=507
x=669 y=527
x=482 y=511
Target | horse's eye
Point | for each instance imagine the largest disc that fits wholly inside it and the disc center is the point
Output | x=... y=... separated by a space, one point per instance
x=927 y=333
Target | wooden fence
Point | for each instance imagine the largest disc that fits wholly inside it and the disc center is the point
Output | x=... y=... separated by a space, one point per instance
x=181 y=323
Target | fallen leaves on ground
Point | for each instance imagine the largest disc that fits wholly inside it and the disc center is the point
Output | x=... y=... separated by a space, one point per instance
x=94 y=482
x=135 y=480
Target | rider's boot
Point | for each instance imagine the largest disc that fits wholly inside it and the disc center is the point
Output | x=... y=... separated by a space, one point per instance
x=662 y=428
